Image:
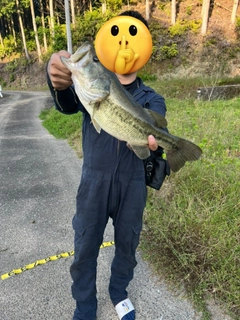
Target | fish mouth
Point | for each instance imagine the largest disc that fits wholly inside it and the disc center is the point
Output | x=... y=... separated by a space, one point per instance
x=82 y=52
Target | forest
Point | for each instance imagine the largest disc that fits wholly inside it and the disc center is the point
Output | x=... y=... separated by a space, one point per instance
x=28 y=26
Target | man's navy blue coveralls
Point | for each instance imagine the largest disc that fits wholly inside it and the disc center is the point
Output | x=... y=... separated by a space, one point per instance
x=112 y=185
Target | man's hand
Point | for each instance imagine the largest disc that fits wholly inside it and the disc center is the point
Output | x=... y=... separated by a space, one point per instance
x=60 y=75
x=152 y=143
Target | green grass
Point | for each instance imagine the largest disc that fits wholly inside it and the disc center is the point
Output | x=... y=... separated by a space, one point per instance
x=193 y=222
x=64 y=126
x=59 y=125
x=191 y=226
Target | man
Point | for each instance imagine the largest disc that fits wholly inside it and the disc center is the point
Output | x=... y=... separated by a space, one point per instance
x=112 y=185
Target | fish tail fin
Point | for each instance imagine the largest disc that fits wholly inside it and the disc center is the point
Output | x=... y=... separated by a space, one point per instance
x=184 y=151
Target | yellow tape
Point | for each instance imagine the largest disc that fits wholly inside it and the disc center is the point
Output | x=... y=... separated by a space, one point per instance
x=106 y=244
x=43 y=261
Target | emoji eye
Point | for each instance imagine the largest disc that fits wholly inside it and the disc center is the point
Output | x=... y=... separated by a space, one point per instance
x=114 y=30
x=132 y=30
x=95 y=59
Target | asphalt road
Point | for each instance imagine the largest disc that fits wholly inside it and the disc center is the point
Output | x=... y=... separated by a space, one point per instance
x=39 y=176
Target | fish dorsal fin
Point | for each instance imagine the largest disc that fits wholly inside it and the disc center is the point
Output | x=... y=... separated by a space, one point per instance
x=159 y=120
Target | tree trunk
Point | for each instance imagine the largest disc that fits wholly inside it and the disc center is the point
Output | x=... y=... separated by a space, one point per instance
x=13 y=32
x=234 y=11
x=22 y=30
x=51 y=18
x=73 y=13
x=56 y=14
x=147 y=10
x=203 y=4
x=173 y=12
x=206 y=6
x=1 y=41
x=35 y=31
x=43 y=26
x=104 y=7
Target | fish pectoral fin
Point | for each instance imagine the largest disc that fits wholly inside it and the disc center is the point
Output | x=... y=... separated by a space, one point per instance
x=142 y=152
x=96 y=126
x=159 y=120
x=99 y=89
x=93 y=96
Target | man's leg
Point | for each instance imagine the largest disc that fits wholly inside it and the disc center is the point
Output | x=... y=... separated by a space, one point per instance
x=83 y=272
x=127 y=226
x=89 y=224
x=124 y=262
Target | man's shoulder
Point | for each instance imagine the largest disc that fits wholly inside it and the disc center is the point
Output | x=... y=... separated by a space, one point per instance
x=147 y=90
x=142 y=86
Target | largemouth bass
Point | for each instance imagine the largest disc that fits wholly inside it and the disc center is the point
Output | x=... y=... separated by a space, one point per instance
x=113 y=109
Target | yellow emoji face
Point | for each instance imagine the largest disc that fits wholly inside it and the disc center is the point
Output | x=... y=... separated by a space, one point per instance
x=123 y=44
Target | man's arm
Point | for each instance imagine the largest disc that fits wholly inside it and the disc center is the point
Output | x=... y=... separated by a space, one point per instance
x=157 y=104
x=60 y=85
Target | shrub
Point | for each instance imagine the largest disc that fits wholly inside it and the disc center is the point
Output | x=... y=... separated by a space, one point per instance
x=178 y=29
x=164 y=52
x=88 y=25
x=169 y=52
x=9 y=47
x=181 y=26
x=60 y=38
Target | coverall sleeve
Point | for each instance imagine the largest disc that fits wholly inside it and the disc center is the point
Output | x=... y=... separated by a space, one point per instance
x=66 y=101
x=157 y=104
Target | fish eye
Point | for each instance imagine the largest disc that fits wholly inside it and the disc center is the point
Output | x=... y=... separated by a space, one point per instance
x=95 y=59
x=114 y=30
x=133 y=30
